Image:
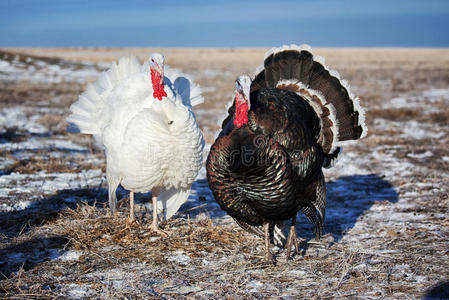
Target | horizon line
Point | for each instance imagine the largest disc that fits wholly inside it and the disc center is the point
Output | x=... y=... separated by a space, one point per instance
x=220 y=47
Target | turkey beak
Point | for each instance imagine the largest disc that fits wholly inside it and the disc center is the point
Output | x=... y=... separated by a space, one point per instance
x=160 y=70
x=244 y=93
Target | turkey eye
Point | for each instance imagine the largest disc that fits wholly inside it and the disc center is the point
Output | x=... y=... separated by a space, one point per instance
x=152 y=60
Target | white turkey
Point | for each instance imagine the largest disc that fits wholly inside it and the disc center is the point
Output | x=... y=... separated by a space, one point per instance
x=142 y=115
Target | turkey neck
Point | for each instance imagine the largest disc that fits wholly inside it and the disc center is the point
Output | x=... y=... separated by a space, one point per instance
x=157 y=80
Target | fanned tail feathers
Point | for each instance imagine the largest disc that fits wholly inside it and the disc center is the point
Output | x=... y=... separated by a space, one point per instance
x=86 y=112
x=295 y=68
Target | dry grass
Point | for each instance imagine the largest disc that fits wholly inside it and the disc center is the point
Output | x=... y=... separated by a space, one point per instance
x=52 y=165
x=325 y=270
x=109 y=242
x=30 y=93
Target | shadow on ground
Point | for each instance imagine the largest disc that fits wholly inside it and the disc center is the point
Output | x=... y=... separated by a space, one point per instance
x=27 y=252
x=348 y=198
x=438 y=291
x=201 y=201
x=15 y=223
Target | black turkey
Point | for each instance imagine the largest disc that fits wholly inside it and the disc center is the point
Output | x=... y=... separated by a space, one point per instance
x=282 y=128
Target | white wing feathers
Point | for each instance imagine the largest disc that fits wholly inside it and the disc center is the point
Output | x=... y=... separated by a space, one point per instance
x=189 y=91
x=154 y=154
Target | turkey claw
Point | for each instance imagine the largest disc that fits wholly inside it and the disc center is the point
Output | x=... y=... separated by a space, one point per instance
x=159 y=231
x=130 y=221
x=269 y=258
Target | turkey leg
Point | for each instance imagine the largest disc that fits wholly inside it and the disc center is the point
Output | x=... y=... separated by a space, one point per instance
x=131 y=217
x=292 y=238
x=154 y=225
x=269 y=258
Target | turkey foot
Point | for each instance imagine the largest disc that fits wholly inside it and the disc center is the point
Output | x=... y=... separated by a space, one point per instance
x=269 y=257
x=154 y=225
x=292 y=239
x=131 y=218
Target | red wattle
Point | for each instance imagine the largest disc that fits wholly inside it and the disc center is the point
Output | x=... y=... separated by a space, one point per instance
x=241 y=111
x=158 y=85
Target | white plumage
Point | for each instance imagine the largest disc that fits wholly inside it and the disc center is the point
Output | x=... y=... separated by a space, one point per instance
x=151 y=144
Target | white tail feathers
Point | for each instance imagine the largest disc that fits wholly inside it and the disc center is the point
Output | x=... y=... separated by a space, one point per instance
x=86 y=112
x=282 y=48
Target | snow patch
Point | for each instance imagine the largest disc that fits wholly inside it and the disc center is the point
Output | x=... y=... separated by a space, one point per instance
x=70 y=255
x=254 y=286
x=421 y=155
x=411 y=129
x=19 y=205
x=46 y=183
x=38 y=143
x=37 y=70
x=6 y=163
x=21 y=118
x=75 y=291
x=180 y=258
x=415 y=99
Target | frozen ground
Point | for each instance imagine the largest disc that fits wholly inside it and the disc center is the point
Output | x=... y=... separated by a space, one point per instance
x=386 y=228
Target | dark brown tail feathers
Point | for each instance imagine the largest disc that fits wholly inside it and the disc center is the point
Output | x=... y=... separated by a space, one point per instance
x=295 y=68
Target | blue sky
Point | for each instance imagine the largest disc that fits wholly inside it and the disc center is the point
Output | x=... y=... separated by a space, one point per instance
x=202 y=23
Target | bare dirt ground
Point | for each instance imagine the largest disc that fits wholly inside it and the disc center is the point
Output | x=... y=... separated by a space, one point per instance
x=386 y=228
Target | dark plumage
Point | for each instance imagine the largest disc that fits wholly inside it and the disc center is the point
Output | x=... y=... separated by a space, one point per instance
x=265 y=171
